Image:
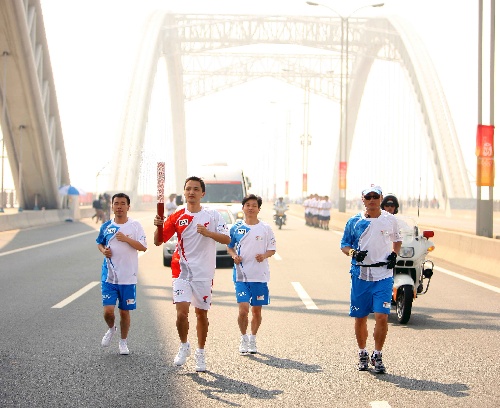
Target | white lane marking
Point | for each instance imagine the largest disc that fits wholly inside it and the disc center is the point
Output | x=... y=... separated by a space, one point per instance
x=380 y=404
x=277 y=257
x=470 y=280
x=304 y=296
x=75 y=295
x=47 y=243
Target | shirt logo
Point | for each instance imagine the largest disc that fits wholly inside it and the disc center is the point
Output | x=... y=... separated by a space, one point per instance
x=260 y=297
x=205 y=299
x=183 y=222
x=112 y=230
x=242 y=231
x=130 y=301
x=259 y=238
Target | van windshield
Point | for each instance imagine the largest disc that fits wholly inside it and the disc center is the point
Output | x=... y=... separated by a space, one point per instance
x=222 y=193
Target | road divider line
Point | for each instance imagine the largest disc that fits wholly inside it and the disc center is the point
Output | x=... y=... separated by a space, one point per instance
x=380 y=404
x=75 y=295
x=47 y=243
x=304 y=296
x=467 y=279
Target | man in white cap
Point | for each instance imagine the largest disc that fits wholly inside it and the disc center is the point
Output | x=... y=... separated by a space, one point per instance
x=372 y=239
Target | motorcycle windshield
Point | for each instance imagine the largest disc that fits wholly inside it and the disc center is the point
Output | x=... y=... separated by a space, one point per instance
x=406 y=228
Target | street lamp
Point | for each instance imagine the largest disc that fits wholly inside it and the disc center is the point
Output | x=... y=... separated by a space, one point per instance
x=5 y=54
x=20 y=196
x=344 y=72
x=97 y=176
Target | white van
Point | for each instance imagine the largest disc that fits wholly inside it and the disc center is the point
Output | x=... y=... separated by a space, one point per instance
x=224 y=185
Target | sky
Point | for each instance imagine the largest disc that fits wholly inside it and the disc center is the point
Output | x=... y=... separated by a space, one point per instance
x=93 y=44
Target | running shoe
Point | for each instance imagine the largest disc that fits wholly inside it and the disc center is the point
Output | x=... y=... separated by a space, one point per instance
x=363 y=361
x=201 y=365
x=252 y=345
x=378 y=365
x=183 y=354
x=123 y=347
x=106 y=340
x=243 y=344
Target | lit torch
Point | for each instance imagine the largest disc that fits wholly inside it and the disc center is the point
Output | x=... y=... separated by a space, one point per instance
x=160 y=206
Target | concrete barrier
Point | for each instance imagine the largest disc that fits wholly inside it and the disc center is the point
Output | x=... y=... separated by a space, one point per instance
x=470 y=251
x=32 y=218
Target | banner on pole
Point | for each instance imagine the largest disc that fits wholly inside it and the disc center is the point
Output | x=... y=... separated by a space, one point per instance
x=485 y=153
x=342 y=175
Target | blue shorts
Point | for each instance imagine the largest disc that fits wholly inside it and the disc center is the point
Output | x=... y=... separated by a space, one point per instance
x=124 y=293
x=255 y=293
x=370 y=297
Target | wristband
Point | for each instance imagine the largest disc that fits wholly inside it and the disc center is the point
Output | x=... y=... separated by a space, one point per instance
x=351 y=252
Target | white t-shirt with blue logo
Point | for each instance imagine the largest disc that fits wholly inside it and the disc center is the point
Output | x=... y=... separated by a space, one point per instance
x=249 y=241
x=376 y=236
x=123 y=266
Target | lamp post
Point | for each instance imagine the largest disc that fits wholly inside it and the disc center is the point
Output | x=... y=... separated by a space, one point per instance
x=97 y=177
x=344 y=81
x=20 y=198
x=5 y=54
x=305 y=139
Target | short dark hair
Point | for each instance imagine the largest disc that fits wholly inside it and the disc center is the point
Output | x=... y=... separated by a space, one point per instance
x=252 y=197
x=194 y=178
x=121 y=195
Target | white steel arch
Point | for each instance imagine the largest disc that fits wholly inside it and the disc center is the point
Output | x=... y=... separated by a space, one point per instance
x=187 y=42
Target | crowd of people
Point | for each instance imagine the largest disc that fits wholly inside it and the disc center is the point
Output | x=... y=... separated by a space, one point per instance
x=317 y=211
x=250 y=242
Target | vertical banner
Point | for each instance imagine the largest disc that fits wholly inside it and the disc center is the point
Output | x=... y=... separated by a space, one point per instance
x=304 y=183
x=160 y=194
x=286 y=188
x=485 y=153
x=342 y=175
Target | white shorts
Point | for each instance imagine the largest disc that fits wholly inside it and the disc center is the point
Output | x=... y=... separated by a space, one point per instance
x=198 y=293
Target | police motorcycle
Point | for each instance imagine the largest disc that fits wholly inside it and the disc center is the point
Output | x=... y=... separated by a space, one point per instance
x=413 y=272
x=279 y=213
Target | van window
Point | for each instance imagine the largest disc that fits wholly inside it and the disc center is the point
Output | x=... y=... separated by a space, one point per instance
x=222 y=193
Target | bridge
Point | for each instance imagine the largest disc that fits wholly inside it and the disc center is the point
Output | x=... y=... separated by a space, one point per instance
x=201 y=58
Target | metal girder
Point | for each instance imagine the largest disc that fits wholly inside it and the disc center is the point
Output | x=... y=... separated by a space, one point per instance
x=212 y=72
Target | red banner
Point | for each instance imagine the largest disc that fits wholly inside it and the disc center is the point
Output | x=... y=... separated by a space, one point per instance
x=342 y=175
x=485 y=153
x=484 y=141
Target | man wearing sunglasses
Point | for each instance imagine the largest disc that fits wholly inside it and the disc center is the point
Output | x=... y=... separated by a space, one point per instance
x=372 y=239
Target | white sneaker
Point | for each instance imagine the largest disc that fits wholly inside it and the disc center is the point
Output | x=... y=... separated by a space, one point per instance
x=183 y=354
x=243 y=344
x=106 y=340
x=201 y=366
x=252 y=345
x=123 y=347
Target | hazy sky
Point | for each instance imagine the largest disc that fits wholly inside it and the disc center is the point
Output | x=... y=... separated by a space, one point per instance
x=93 y=44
